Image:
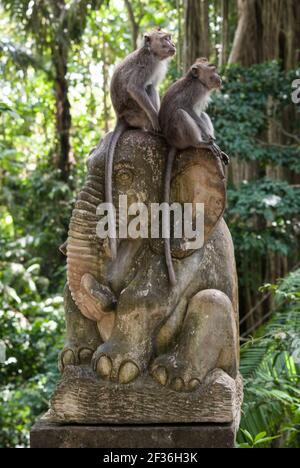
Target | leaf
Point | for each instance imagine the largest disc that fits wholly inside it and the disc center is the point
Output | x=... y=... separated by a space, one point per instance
x=259 y=436
x=4 y=108
x=12 y=293
x=248 y=436
x=266 y=440
x=244 y=445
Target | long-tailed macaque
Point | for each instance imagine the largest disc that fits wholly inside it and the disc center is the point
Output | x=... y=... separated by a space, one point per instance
x=185 y=124
x=136 y=100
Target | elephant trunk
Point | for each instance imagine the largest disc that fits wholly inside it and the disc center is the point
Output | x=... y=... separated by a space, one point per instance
x=85 y=251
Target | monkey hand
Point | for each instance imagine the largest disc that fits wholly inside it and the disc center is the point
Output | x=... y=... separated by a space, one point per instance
x=211 y=140
x=218 y=152
x=225 y=158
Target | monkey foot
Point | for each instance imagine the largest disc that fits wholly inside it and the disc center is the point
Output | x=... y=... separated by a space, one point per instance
x=73 y=355
x=171 y=371
x=112 y=363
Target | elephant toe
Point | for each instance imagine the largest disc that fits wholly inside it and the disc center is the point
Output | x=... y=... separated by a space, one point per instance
x=128 y=372
x=159 y=373
x=103 y=366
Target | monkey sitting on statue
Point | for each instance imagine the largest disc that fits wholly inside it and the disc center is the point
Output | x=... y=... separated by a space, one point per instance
x=184 y=124
x=136 y=100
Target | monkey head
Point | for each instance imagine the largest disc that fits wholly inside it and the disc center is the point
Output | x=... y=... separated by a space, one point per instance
x=206 y=73
x=159 y=43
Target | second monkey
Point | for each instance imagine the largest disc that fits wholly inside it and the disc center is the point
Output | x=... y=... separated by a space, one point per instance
x=185 y=124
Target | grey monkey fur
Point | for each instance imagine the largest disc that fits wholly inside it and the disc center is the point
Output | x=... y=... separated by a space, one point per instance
x=185 y=124
x=136 y=100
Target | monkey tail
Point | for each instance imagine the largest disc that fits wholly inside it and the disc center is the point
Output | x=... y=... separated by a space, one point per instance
x=118 y=131
x=166 y=220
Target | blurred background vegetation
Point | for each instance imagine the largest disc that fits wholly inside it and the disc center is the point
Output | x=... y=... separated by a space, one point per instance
x=56 y=59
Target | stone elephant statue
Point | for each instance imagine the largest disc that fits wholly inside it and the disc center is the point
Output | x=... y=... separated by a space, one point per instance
x=123 y=317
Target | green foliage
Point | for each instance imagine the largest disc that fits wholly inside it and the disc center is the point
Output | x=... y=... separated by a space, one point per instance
x=251 y=100
x=35 y=205
x=47 y=202
x=49 y=20
x=250 y=115
x=31 y=328
x=254 y=442
x=270 y=365
x=4 y=108
x=264 y=217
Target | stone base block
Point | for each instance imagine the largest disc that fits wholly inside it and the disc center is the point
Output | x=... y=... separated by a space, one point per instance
x=52 y=435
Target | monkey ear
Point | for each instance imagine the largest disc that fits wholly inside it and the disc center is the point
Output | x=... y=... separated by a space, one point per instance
x=194 y=71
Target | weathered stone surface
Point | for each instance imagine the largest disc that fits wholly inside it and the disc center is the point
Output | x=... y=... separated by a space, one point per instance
x=81 y=397
x=138 y=351
x=51 y=435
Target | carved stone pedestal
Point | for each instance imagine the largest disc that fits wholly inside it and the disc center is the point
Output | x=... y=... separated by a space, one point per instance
x=145 y=364
x=52 y=435
x=86 y=411
x=81 y=397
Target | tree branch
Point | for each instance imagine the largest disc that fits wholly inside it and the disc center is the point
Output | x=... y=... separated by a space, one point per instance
x=283 y=131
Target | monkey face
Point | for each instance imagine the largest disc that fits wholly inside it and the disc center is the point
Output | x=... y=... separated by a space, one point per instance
x=207 y=74
x=160 y=44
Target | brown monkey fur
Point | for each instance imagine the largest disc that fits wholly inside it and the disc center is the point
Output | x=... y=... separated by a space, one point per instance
x=184 y=124
x=135 y=99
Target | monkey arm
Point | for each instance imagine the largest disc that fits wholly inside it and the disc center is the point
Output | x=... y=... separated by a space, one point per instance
x=204 y=123
x=185 y=131
x=207 y=125
x=154 y=96
x=140 y=95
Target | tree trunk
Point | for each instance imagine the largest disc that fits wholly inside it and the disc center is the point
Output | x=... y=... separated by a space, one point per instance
x=63 y=114
x=59 y=47
x=267 y=30
x=196 y=31
x=225 y=32
x=179 y=7
x=246 y=48
x=133 y=23
x=105 y=87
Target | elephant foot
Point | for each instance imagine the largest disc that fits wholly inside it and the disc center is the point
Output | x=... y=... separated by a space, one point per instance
x=73 y=355
x=209 y=324
x=119 y=362
x=172 y=371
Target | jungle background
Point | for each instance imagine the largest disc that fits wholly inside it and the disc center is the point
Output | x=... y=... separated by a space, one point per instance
x=56 y=59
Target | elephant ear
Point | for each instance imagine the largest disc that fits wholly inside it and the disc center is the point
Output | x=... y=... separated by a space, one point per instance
x=198 y=177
